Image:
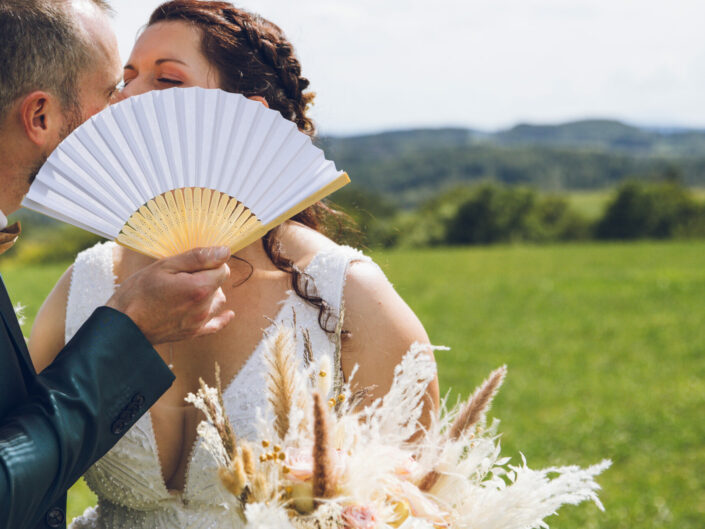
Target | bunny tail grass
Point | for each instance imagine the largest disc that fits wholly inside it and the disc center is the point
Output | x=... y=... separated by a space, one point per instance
x=233 y=478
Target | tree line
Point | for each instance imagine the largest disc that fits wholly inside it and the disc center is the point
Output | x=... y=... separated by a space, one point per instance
x=492 y=212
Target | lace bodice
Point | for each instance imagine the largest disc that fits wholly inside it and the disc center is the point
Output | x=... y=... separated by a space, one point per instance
x=128 y=480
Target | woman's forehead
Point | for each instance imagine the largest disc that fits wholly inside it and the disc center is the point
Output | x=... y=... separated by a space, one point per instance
x=173 y=37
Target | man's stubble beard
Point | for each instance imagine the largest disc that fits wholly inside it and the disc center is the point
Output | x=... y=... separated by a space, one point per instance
x=74 y=119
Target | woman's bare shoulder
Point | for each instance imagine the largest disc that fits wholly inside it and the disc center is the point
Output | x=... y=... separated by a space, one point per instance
x=301 y=243
x=381 y=329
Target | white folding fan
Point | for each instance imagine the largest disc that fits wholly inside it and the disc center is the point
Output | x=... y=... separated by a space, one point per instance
x=172 y=170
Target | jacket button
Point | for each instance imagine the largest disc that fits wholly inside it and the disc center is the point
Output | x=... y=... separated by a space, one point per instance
x=118 y=427
x=55 y=517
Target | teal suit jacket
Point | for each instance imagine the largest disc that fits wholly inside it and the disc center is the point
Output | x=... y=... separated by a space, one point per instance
x=55 y=425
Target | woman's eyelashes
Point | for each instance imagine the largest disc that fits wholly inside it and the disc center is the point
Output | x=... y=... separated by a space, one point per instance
x=172 y=82
x=158 y=79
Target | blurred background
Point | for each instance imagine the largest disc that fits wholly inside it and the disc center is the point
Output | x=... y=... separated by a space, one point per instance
x=531 y=176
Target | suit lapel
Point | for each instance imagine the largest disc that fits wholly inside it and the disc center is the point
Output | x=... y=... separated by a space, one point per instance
x=7 y=312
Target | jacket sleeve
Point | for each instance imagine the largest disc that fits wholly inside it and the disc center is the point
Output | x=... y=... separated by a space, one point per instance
x=105 y=378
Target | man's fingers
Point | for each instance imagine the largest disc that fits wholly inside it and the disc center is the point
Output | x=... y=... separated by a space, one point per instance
x=198 y=259
x=217 y=323
x=218 y=302
x=211 y=279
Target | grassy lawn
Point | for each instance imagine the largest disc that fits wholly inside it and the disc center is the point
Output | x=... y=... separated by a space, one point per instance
x=606 y=356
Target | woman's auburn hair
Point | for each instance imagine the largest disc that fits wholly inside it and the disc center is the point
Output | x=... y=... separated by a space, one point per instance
x=253 y=57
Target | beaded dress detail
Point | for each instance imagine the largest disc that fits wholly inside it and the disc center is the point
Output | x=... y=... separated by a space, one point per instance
x=128 y=479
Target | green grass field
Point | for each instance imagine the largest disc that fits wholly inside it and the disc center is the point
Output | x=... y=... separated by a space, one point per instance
x=606 y=356
x=592 y=204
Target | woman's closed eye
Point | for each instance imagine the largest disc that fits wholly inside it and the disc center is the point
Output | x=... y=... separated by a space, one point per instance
x=166 y=80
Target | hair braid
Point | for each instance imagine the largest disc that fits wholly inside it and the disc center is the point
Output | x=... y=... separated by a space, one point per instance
x=268 y=40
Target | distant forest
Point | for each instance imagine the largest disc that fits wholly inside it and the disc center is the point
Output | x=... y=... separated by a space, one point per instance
x=408 y=167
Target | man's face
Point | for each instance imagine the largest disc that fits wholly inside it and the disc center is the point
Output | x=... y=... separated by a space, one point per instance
x=97 y=84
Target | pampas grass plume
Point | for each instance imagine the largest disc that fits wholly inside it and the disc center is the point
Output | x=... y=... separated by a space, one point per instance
x=281 y=371
x=471 y=413
x=478 y=404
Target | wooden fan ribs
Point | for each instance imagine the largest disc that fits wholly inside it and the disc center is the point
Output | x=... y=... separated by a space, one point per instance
x=186 y=218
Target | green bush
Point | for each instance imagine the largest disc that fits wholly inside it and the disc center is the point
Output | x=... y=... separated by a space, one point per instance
x=651 y=210
x=51 y=244
x=494 y=213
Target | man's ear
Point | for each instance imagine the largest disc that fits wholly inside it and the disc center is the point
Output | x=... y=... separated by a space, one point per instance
x=41 y=117
x=260 y=99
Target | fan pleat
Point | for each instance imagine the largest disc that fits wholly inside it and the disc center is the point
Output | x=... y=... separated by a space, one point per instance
x=286 y=199
x=202 y=134
x=69 y=206
x=143 y=179
x=41 y=208
x=75 y=183
x=185 y=139
x=116 y=145
x=148 y=119
x=272 y=136
x=293 y=162
x=214 y=137
x=168 y=127
x=268 y=167
x=103 y=167
x=59 y=185
x=244 y=137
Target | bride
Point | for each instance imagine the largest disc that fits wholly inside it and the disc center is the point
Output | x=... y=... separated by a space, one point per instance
x=159 y=475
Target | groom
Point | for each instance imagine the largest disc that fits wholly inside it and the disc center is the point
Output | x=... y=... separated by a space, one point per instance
x=59 y=65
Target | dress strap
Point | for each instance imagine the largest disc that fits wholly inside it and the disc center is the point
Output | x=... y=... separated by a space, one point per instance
x=329 y=270
x=92 y=284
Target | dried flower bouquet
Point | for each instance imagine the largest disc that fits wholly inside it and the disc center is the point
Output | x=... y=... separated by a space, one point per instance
x=323 y=462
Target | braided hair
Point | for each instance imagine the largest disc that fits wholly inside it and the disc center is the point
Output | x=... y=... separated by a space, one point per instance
x=253 y=57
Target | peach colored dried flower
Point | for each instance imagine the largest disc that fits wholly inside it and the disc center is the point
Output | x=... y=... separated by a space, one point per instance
x=359 y=517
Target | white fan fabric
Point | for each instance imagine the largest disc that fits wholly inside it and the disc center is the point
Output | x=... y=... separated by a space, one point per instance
x=162 y=140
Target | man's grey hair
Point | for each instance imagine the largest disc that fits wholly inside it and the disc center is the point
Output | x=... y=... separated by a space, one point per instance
x=42 y=47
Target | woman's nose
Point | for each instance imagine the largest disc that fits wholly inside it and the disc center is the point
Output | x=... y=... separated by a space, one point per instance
x=135 y=87
x=119 y=96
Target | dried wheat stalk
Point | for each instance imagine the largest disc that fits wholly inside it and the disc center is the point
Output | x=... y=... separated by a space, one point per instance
x=323 y=482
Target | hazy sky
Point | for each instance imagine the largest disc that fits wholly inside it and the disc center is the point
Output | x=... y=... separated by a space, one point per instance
x=387 y=64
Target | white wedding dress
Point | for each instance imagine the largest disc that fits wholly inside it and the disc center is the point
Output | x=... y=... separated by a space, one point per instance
x=128 y=480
